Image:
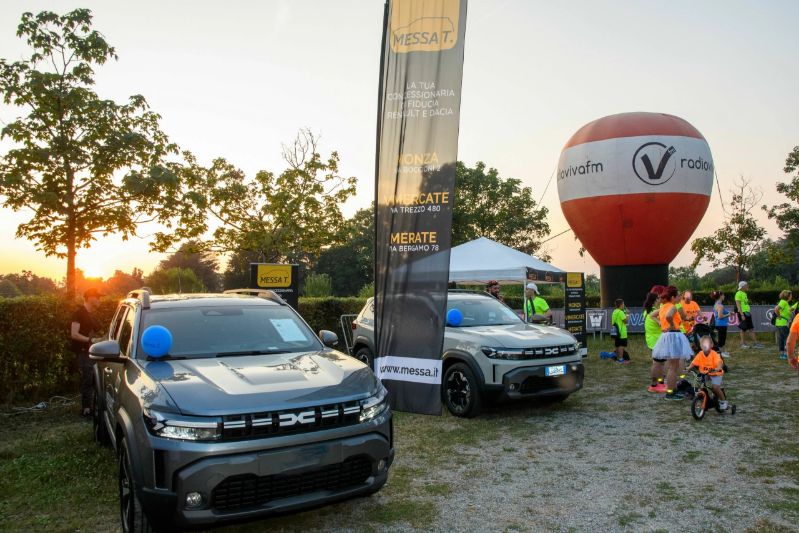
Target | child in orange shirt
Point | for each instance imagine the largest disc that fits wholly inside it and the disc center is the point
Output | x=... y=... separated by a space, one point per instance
x=709 y=362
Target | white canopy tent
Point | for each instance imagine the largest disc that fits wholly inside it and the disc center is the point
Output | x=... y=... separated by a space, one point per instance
x=481 y=260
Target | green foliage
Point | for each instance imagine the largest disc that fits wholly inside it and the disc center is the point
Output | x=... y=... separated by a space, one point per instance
x=684 y=278
x=487 y=205
x=367 y=291
x=351 y=263
x=85 y=165
x=204 y=264
x=8 y=289
x=738 y=239
x=122 y=283
x=285 y=218
x=174 y=280
x=592 y=286
x=324 y=313
x=29 y=283
x=787 y=213
x=317 y=286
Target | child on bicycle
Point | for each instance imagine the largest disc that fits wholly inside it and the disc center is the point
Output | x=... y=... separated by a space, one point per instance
x=709 y=362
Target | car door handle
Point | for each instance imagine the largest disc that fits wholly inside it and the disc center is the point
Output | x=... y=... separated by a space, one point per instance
x=108 y=370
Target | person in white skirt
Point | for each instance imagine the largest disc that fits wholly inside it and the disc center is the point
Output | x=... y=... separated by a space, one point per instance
x=673 y=345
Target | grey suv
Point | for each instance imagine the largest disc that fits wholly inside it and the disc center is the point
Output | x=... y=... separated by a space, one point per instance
x=492 y=355
x=248 y=414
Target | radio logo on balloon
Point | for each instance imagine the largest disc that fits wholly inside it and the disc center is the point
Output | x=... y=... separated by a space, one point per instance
x=653 y=163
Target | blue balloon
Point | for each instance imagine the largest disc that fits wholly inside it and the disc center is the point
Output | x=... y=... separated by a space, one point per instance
x=156 y=341
x=160 y=370
x=454 y=317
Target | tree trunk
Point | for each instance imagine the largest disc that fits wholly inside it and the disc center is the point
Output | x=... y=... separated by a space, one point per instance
x=71 y=260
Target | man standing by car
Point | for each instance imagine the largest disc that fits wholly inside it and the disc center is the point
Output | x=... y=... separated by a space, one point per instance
x=537 y=309
x=492 y=288
x=82 y=329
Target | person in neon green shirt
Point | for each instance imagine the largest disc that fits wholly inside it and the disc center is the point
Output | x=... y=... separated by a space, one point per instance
x=745 y=316
x=619 y=322
x=537 y=309
x=652 y=332
x=783 y=312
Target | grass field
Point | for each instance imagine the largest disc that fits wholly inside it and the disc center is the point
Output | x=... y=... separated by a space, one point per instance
x=612 y=457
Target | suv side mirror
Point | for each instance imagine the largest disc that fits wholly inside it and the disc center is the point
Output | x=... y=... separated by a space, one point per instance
x=105 y=351
x=328 y=338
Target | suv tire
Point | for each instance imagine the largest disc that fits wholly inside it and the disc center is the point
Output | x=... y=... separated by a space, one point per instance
x=365 y=356
x=99 y=429
x=460 y=391
x=133 y=518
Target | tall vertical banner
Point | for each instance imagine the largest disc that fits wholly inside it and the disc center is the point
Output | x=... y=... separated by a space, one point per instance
x=575 y=308
x=417 y=146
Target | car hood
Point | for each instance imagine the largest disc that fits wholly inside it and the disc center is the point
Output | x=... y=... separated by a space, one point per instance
x=256 y=383
x=517 y=336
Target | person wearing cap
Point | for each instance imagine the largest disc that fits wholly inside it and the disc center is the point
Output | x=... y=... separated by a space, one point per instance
x=82 y=330
x=492 y=288
x=536 y=308
x=743 y=311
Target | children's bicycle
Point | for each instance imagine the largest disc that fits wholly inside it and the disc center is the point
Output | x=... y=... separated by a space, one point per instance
x=705 y=398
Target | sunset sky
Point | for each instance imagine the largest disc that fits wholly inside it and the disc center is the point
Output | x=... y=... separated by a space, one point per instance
x=236 y=79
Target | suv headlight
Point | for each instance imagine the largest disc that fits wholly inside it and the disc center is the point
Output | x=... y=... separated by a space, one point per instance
x=374 y=405
x=172 y=426
x=503 y=353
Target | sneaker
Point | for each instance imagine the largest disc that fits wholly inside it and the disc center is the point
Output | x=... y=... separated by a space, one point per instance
x=745 y=346
x=660 y=387
x=758 y=345
x=726 y=355
x=794 y=362
x=652 y=388
x=784 y=356
x=723 y=405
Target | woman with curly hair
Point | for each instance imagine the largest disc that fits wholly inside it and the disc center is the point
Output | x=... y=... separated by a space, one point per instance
x=672 y=345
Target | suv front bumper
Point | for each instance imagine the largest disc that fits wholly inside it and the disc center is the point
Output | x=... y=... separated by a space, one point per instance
x=243 y=486
x=532 y=381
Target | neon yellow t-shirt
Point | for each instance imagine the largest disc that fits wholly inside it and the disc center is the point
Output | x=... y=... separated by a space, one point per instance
x=742 y=297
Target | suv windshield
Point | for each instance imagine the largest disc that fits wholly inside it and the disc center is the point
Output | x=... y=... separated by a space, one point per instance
x=483 y=312
x=231 y=330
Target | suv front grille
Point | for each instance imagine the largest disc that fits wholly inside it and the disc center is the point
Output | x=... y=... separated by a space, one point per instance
x=547 y=352
x=249 y=490
x=290 y=421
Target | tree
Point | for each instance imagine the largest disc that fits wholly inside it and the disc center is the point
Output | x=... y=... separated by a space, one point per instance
x=83 y=165
x=285 y=218
x=8 y=289
x=122 y=283
x=204 y=264
x=787 y=213
x=739 y=239
x=174 y=280
x=592 y=284
x=684 y=278
x=487 y=205
x=317 y=286
x=29 y=283
x=237 y=273
x=350 y=265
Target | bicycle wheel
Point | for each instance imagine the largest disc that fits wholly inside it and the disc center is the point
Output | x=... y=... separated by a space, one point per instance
x=698 y=405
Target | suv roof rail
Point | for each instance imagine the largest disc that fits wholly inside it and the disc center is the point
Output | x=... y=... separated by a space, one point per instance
x=260 y=293
x=143 y=295
x=468 y=291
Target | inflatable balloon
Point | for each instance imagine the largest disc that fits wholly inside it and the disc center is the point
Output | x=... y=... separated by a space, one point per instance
x=160 y=370
x=454 y=317
x=156 y=341
x=633 y=187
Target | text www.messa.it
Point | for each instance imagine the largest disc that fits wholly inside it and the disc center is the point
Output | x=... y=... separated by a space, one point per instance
x=409 y=371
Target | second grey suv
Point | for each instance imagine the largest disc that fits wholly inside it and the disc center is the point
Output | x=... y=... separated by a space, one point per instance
x=248 y=414
x=492 y=354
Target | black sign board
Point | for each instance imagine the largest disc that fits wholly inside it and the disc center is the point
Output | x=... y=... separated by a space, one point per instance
x=417 y=148
x=283 y=280
x=575 y=307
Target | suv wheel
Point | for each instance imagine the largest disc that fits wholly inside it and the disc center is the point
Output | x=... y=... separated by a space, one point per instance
x=99 y=429
x=365 y=356
x=461 y=391
x=133 y=518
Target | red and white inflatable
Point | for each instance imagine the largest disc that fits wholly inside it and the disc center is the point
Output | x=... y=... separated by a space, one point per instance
x=634 y=187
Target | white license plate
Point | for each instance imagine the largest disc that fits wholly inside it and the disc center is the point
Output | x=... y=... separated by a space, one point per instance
x=556 y=370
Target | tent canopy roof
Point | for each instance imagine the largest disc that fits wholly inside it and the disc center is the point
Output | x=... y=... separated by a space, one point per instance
x=481 y=260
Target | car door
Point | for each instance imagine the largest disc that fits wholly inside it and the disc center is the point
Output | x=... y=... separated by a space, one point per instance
x=113 y=371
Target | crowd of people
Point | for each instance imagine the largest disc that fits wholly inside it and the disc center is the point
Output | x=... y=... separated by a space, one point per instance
x=675 y=334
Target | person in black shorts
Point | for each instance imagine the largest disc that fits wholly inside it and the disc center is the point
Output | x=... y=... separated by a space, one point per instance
x=83 y=330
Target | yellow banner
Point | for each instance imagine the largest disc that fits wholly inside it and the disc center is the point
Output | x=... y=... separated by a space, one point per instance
x=424 y=25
